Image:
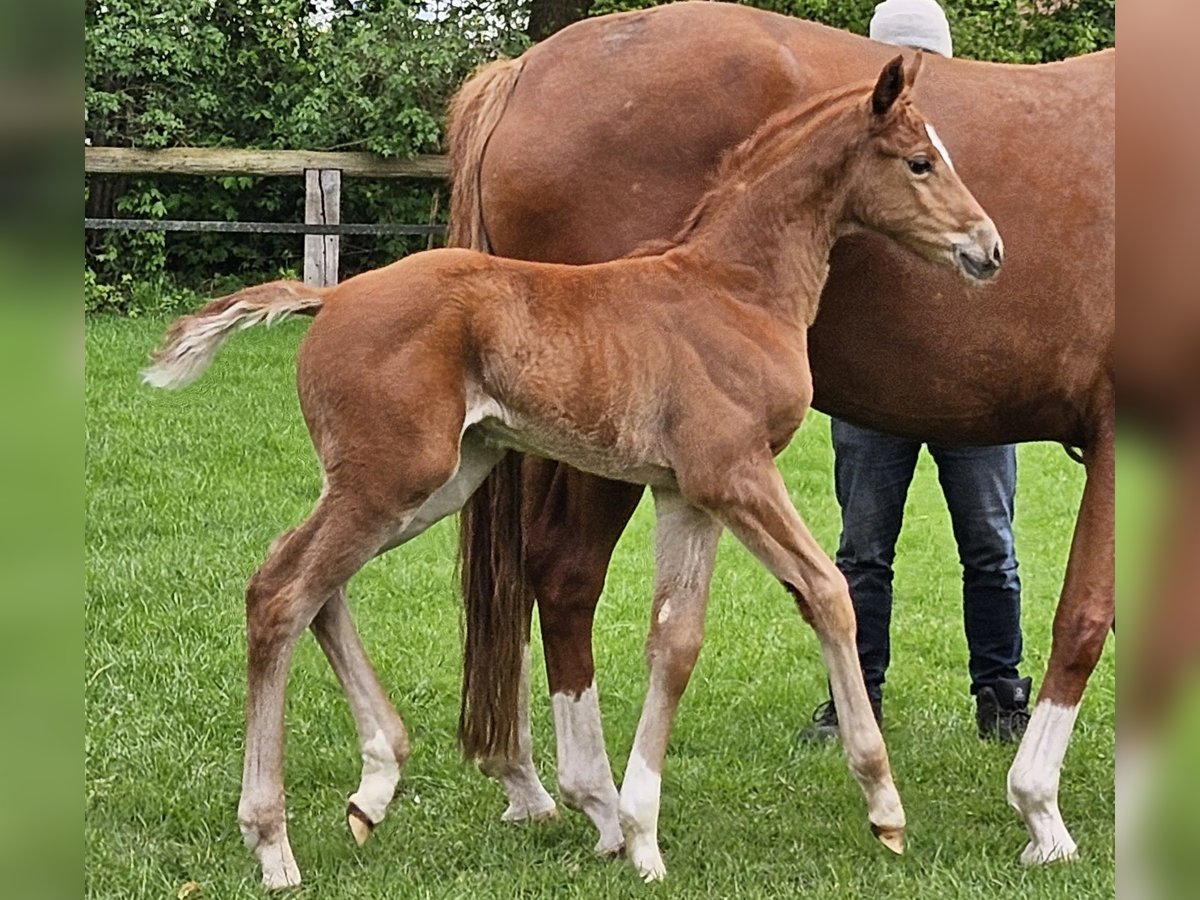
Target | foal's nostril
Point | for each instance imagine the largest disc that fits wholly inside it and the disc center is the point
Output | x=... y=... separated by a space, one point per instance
x=997 y=255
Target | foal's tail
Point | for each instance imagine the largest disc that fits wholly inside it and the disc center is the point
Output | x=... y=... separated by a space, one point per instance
x=497 y=596
x=192 y=341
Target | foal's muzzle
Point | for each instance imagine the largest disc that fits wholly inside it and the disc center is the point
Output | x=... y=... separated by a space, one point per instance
x=982 y=254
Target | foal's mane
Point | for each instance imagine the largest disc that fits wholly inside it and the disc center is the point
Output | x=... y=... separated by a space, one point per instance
x=769 y=147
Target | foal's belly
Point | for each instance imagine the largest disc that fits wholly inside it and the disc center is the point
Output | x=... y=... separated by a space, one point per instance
x=619 y=455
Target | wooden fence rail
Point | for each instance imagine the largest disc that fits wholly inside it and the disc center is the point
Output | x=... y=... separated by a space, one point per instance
x=322 y=173
x=254 y=227
x=231 y=161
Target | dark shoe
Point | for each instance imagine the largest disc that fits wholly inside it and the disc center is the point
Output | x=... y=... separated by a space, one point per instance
x=825 y=722
x=1002 y=709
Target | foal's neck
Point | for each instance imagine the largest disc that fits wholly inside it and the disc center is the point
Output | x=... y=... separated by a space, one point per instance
x=780 y=203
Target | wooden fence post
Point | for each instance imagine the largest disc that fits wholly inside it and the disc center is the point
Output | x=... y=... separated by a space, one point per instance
x=322 y=206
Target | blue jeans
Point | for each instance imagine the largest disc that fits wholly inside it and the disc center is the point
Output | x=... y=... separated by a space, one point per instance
x=872 y=472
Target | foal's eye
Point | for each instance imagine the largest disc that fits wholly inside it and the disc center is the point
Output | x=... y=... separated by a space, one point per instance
x=920 y=165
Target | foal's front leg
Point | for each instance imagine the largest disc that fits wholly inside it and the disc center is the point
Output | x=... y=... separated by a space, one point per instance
x=752 y=501
x=685 y=549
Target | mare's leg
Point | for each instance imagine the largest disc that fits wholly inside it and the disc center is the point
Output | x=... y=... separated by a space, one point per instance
x=1081 y=624
x=685 y=550
x=488 y=551
x=752 y=501
x=573 y=522
x=383 y=741
x=528 y=800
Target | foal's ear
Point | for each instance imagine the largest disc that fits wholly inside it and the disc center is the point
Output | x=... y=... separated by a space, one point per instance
x=910 y=77
x=890 y=86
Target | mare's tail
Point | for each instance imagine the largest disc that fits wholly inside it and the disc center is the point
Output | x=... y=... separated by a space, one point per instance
x=192 y=341
x=497 y=595
x=474 y=112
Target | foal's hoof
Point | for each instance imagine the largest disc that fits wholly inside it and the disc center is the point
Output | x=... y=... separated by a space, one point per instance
x=892 y=838
x=360 y=826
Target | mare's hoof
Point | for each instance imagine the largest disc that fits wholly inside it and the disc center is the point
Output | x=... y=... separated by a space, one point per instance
x=360 y=826
x=1036 y=855
x=280 y=873
x=643 y=853
x=524 y=814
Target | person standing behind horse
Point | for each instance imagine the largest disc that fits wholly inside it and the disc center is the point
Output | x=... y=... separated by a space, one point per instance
x=872 y=473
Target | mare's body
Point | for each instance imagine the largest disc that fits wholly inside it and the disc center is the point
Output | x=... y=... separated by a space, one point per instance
x=604 y=135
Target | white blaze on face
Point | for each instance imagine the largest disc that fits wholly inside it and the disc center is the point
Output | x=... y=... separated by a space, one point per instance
x=937 y=142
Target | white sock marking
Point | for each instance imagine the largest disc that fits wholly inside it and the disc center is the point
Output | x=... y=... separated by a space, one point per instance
x=527 y=798
x=380 y=775
x=1136 y=777
x=1033 y=782
x=640 y=794
x=584 y=775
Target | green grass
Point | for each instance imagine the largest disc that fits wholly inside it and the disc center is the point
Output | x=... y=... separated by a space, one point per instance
x=185 y=492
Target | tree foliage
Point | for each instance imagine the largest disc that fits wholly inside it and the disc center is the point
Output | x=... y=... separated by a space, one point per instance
x=313 y=74
x=1025 y=31
x=360 y=74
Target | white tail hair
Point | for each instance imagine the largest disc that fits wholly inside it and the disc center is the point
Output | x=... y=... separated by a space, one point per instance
x=192 y=341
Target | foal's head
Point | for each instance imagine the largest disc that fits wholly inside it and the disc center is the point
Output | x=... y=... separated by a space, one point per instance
x=906 y=187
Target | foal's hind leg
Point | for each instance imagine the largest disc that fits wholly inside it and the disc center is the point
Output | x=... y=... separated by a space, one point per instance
x=383 y=741
x=304 y=569
x=685 y=550
x=382 y=738
x=753 y=503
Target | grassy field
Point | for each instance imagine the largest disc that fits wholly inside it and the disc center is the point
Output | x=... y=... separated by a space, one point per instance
x=184 y=493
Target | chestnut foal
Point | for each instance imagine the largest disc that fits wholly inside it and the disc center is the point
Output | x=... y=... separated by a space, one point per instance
x=683 y=367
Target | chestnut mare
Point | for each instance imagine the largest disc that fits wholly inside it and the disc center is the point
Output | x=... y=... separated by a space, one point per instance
x=416 y=378
x=603 y=136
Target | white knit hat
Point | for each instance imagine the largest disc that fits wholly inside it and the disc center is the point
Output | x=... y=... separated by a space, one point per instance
x=912 y=23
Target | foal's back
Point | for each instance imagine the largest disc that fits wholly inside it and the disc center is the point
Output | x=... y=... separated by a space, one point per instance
x=618 y=368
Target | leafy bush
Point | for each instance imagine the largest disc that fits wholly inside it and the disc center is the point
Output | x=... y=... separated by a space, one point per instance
x=312 y=74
